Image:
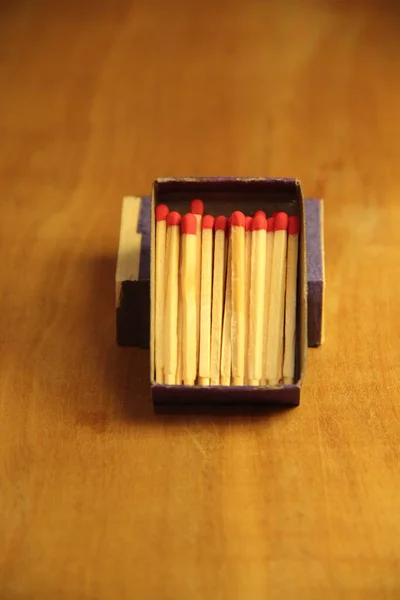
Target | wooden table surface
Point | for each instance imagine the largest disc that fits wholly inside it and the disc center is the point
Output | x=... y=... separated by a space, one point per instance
x=100 y=499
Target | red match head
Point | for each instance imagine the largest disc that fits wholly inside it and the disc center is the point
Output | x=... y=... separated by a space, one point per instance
x=259 y=213
x=161 y=212
x=294 y=225
x=274 y=213
x=189 y=223
x=173 y=218
x=221 y=223
x=281 y=221
x=271 y=223
x=197 y=207
x=238 y=219
x=248 y=223
x=207 y=222
x=259 y=222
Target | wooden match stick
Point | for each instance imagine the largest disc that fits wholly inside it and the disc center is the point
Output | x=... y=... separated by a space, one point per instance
x=226 y=344
x=260 y=213
x=247 y=267
x=171 y=298
x=197 y=208
x=218 y=288
x=188 y=286
x=207 y=225
x=277 y=301
x=257 y=286
x=179 y=375
x=291 y=296
x=237 y=238
x=268 y=271
x=161 y=213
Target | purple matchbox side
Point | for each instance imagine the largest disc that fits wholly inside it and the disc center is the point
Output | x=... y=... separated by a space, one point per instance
x=315 y=271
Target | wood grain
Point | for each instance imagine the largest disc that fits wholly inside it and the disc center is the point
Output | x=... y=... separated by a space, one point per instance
x=99 y=499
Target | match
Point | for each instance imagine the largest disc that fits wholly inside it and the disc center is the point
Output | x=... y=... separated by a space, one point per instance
x=247 y=265
x=267 y=295
x=226 y=344
x=291 y=296
x=257 y=293
x=207 y=225
x=219 y=272
x=197 y=208
x=171 y=298
x=237 y=244
x=277 y=301
x=188 y=286
x=179 y=375
x=161 y=213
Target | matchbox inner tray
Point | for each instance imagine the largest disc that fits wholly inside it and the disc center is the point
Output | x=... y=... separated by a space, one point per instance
x=220 y=196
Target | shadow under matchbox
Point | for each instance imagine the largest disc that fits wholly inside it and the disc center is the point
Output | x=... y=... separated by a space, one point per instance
x=135 y=270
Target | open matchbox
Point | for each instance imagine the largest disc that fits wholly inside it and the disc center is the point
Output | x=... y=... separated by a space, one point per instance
x=135 y=275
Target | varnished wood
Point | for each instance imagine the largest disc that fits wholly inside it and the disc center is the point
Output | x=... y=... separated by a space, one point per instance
x=99 y=498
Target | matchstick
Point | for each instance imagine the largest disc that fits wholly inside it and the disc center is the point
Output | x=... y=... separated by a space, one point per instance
x=207 y=225
x=277 y=301
x=188 y=287
x=290 y=304
x=237 y=238
x=179 y=364
x=219 y=271
x=226 y=344
x=257 y=293
x=260 y=213
x=161 y=213
x=247 y=267
x=267 y=295
x=197 y=208
x=171 y=299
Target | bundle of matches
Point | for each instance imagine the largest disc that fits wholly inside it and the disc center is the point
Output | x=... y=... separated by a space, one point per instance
x=225 y=298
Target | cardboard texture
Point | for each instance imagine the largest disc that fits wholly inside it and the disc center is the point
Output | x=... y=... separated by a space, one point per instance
x=132 y=279
x=316 y=274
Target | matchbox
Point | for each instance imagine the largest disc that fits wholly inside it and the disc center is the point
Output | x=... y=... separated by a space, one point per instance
x=220 y=196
